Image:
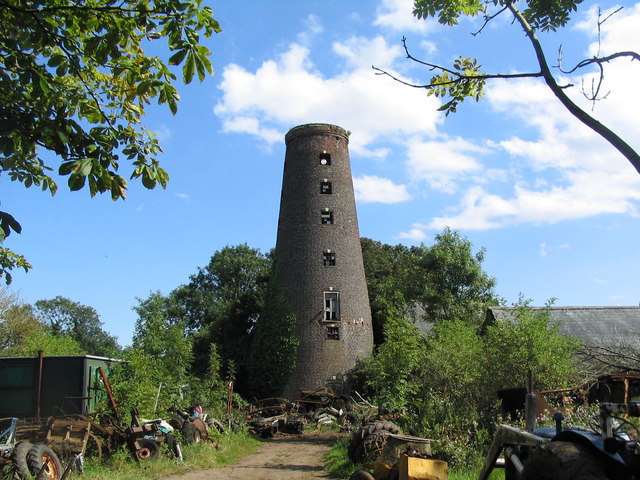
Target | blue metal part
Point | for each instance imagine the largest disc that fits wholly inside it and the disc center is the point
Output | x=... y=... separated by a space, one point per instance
x=588 y=439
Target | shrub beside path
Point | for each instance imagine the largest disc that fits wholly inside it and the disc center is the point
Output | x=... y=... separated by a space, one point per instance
x=287 y=457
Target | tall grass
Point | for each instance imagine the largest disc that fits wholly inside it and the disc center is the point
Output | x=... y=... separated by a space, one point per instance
x=337 y=461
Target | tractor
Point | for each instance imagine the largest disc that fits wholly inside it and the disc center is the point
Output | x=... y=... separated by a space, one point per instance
x=607 y=449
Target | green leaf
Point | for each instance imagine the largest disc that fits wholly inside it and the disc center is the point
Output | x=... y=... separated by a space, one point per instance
x=189 y=68
x=76 y=182
x=8 y=223
x=178 y=57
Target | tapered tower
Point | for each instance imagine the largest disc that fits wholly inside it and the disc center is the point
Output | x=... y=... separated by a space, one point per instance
x=319 y=258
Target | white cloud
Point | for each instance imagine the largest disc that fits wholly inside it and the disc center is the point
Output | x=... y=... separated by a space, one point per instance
x=443 y=163
x=313 y=28
x=543 y=249
x=163 y=133
x=584 y=197
x=398 y=15
x=182 y=196
x=362 y=53
x=289 y=91
x=369 y=189
x=570 y=171
x=415 y=234
x=551 y=170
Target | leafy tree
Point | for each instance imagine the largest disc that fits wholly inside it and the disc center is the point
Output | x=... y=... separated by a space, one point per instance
x=162 y=337
x=446 y=381
x=66 y=318
x=24 y=334
x=448 y=279
x=529 y=341
x=387 y=270
x=221 y=304
x=135 y=384
x=75 y=81
x=466 y=80
x=17 y=320
x=394 y=374
x=50 y=345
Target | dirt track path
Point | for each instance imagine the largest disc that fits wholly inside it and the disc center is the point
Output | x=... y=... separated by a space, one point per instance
x=285 y=457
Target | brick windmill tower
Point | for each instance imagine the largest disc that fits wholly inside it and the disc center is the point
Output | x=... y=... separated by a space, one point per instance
x=319 y=258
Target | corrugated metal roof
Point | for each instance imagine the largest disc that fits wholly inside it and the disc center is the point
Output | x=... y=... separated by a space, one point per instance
x=589 y=324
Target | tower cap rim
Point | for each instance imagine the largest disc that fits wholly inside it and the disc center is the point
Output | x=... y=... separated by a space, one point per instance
x=316 y=129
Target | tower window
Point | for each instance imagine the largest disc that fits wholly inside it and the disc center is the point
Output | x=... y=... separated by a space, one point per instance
x=325 y=188
x=333 y=333
x=326 y=218
x=325 y=158
x=328 y=259
x=331 y=306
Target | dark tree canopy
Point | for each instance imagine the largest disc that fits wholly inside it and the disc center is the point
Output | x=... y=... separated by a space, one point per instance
x=221 y=304
x=75 y=80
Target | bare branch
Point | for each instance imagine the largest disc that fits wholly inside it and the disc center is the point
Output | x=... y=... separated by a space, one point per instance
x=487 y=19
x=600 y=60
x=459 y=76
x=618 y=143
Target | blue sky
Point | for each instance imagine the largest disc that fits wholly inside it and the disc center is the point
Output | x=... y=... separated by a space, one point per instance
x=555 y=207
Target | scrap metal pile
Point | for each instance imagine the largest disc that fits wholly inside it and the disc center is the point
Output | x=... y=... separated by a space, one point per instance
x=270 y=416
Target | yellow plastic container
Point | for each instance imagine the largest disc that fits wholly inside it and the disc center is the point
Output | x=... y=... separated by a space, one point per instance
x=412 y=468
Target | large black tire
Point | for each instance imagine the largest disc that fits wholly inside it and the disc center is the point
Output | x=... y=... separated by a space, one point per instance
x=149 y=449
x=20 y=463
x=369 y=439
x=191 y=434
x=564 y=461
x=41 y=456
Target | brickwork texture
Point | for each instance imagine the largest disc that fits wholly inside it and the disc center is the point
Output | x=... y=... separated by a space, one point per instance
x=316 y=154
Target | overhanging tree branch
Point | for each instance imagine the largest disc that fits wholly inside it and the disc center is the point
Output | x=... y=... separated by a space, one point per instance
x=618 y=143
x=466 y=80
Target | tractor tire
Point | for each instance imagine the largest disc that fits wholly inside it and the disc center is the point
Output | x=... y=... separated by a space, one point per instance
x=20 y=462
x=367 y=439
x=563 y=461
x=361 y=475
x=191 y=434
x=149 y=450
x=41 y=456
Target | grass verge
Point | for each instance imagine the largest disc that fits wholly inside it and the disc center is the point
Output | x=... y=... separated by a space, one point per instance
x=224 y=450
x=337 y=461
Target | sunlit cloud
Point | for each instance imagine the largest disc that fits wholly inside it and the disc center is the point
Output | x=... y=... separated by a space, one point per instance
x=415 y=234
x=443 y=164
x=289 y=91
x=370 y=189
x=398 y=15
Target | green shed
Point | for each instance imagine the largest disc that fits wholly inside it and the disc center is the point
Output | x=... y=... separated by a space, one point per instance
x=47 y=386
